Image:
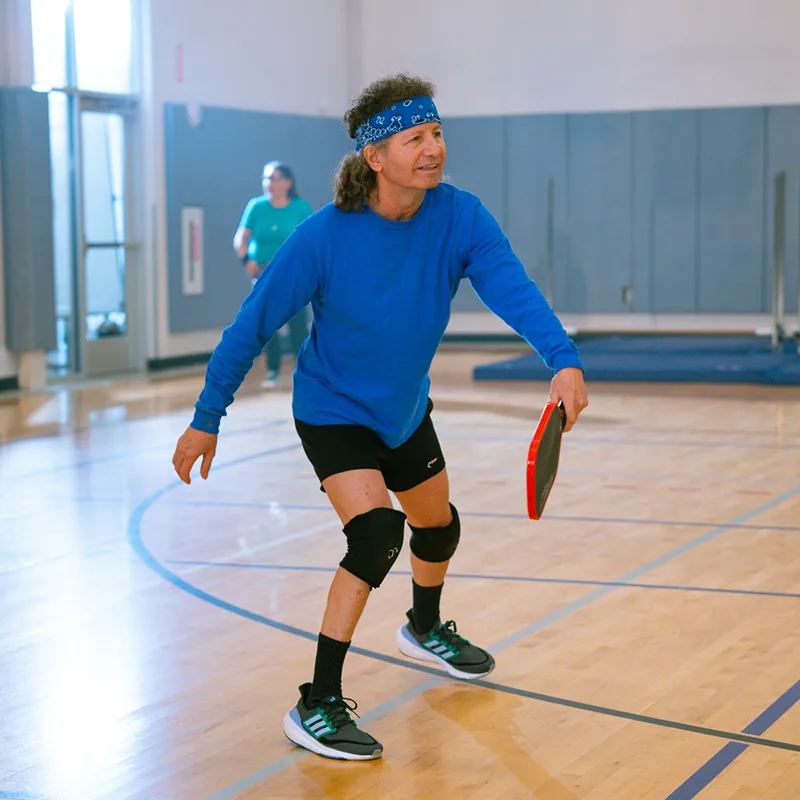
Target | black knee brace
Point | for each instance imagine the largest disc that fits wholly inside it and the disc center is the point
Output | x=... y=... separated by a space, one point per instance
x=374 y=541
x=436 y=544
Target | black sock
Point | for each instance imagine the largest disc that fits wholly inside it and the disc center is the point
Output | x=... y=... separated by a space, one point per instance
x=328 y=668
x=425 y=611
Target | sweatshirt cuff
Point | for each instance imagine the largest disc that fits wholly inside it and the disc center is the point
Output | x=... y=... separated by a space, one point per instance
x=206 y=421
x=564 y=360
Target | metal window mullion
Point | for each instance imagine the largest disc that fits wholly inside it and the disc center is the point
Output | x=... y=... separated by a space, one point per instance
x=779 y=259
x=127 y=244
x=78 y=228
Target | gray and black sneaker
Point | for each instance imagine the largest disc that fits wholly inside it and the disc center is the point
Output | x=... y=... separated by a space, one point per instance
x=444 y=646
x=327 y=729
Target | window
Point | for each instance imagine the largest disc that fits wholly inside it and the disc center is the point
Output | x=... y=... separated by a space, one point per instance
x=83 y=44
x=49 y=23
x=82 y=48
x=103 y=35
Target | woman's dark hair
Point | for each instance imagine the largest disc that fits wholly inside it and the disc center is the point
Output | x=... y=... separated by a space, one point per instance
x=287 y=173
x=355 y=179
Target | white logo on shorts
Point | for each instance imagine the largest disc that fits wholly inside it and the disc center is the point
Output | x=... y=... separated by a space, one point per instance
x=431 y=463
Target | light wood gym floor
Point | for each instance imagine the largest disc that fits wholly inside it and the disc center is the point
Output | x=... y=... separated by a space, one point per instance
x=647 y=631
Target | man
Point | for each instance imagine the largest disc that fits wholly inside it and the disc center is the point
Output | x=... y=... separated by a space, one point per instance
x=380 y=267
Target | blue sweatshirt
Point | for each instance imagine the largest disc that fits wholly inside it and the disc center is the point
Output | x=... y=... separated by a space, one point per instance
x=381 y=293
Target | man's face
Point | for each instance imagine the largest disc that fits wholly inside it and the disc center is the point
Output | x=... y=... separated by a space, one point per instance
x=414 y=158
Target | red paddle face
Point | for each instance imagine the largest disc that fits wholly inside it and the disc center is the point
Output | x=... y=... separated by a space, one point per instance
x=543 y=456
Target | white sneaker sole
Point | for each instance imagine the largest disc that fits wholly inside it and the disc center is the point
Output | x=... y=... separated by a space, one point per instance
x=294 y=732
x=411 y=648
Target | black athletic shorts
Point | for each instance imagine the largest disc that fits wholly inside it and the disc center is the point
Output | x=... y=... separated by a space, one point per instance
x=340 y=448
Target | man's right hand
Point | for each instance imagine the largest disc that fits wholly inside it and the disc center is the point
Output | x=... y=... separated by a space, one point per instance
x=190 y=447
x=252 y=269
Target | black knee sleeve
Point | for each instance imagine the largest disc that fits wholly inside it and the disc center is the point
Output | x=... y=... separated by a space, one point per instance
x=374 y=541
x=436 y=544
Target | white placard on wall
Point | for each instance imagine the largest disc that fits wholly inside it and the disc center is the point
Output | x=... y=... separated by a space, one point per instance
x=192 y=250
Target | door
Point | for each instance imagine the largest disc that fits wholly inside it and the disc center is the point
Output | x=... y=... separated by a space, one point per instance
x=106 y=247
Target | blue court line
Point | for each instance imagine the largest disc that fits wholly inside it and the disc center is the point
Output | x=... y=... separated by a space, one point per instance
x=660 y=522
x=588 y=426
x=509 y=515
x=127 y=454
x=481 y=577
x=627 y=442
x=587 y=440
x=275 y=423
x=568 y=472
x=718 y=763
x=78 y=429
x=23 y=796
x=622 y=441
x=138 y=546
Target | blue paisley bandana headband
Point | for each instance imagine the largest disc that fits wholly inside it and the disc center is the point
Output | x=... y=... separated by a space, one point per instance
x=399 y=117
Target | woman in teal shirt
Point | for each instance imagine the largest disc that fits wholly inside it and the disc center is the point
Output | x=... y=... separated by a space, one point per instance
x=266 y=224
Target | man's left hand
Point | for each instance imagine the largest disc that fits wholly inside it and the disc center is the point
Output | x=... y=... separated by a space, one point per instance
x=567 y=387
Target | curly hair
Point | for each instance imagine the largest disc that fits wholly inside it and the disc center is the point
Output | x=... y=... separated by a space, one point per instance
x=355 y=179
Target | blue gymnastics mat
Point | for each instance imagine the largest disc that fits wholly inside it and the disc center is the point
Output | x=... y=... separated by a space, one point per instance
x=666 y=359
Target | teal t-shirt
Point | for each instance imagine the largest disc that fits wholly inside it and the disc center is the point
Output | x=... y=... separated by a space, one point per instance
x=270 y=227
